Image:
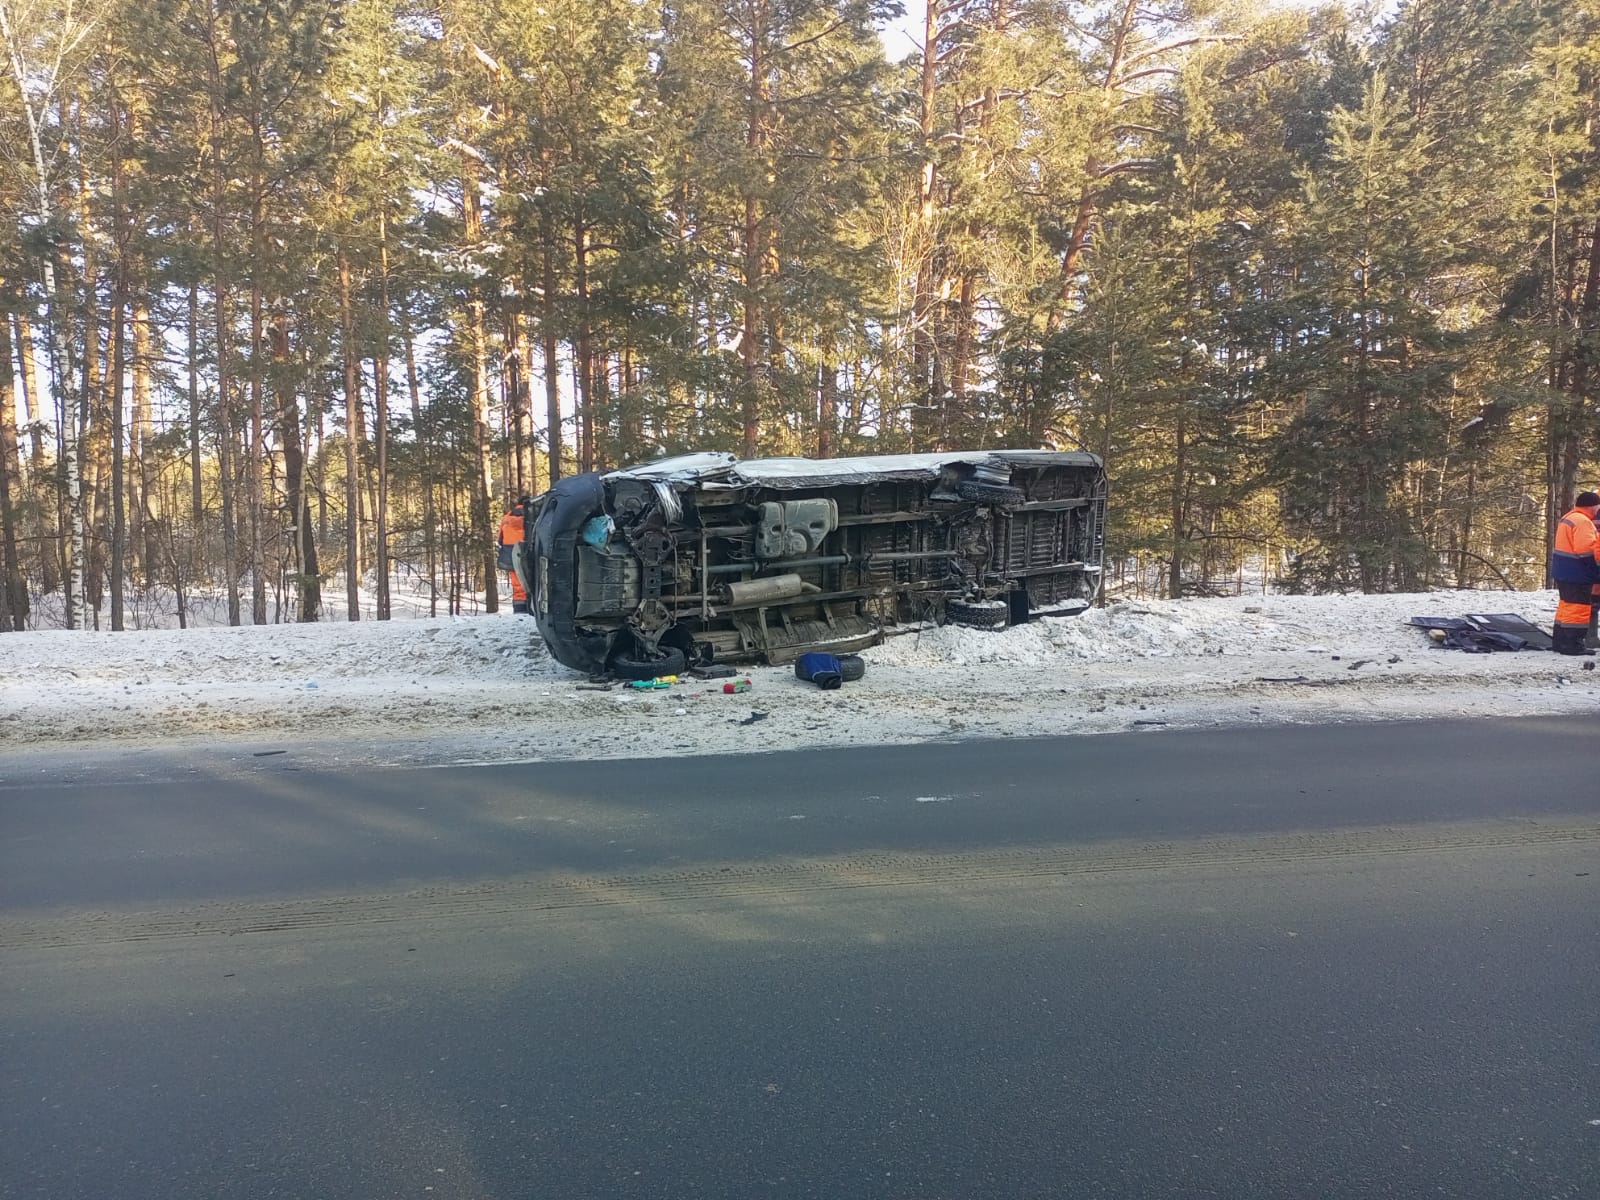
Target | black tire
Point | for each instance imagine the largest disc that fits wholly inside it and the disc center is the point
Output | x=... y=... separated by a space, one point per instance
x=632 y=664
x=851 y=667
x=989 y=493
x=977 y=614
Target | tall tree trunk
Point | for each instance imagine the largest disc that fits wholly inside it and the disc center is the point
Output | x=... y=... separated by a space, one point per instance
x=219 y=243
x=827 y=408
x=519 y=403
x=90 y=424
x=483 y=466
x=583 y=351
x=552 y=382
x=118 y=370
x=1179 y=507
x=961 y=355
x=381 y=421
x=258 y=574
x=352 y=466
x=55 y=316
x=225 y=453
x=430 y=516
x=754 y=249
x=117 y=377
x=197 y=500
x=630 y=421
x=13 y=589
x=1468 y=513
x=482 y=483
x=144 y=536
x=1180 y=456
x=1089 y=201
x=927 y=239
x=292 y=438
x=1569 y=430
x=30 y=393
x=319 y=457
x=94 y=441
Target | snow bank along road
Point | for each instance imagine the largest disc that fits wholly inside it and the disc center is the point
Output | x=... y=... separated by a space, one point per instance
x=483 y=688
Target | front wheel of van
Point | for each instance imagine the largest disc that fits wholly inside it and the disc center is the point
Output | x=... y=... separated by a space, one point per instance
x=636 y=663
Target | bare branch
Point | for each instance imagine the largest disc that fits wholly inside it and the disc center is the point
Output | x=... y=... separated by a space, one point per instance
x=1201 y=39
x=807 y=41
x=1125 y=165
x=1145 y=74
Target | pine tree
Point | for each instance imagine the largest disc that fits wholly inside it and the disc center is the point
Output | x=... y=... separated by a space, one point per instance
x=1370 y=362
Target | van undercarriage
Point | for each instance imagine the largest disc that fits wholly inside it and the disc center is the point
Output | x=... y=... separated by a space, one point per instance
x=704 y=558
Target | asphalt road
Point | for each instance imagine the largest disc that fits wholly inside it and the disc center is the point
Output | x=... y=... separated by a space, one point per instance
x=1339 y=962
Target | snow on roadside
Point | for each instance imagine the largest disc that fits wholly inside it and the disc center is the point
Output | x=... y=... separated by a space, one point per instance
x=442 y=689
x=155 y=606
x=1232 y=626
x=482 y=648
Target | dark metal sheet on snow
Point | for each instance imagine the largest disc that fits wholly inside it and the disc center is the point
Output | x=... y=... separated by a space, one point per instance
x=1537 y=639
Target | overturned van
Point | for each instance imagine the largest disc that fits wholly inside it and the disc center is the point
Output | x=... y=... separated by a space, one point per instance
x=704 y=558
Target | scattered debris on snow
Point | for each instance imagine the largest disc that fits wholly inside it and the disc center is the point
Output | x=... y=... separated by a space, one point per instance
x=483 y=688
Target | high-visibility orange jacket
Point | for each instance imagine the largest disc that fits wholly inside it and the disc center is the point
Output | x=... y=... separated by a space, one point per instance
x=511 y=527
x=1575 y=558
x=1575 y=567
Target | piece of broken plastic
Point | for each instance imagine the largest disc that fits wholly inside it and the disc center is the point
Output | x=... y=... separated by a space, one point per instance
x=597 y=530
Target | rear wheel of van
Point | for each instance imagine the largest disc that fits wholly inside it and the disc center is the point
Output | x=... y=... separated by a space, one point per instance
x=978 y=614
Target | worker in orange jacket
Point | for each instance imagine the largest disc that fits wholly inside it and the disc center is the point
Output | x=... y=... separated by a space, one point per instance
x=1575 y=568
x=511 y=532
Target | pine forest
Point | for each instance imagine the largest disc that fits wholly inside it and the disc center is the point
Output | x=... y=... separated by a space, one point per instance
x=296 y=296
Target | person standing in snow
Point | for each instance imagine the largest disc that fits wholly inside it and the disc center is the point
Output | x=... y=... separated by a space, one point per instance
x=511 y=530
x=1575 y=568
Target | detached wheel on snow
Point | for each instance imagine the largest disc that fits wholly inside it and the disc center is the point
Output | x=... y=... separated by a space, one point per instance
x=851 y=667
x=989 y=493
x=977 y=614
x=634 y=663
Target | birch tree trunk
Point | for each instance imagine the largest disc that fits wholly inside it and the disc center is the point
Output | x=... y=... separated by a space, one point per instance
x=34 y=100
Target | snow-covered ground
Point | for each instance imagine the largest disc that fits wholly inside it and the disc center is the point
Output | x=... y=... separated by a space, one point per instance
x=483 y=688
x=156 y=606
